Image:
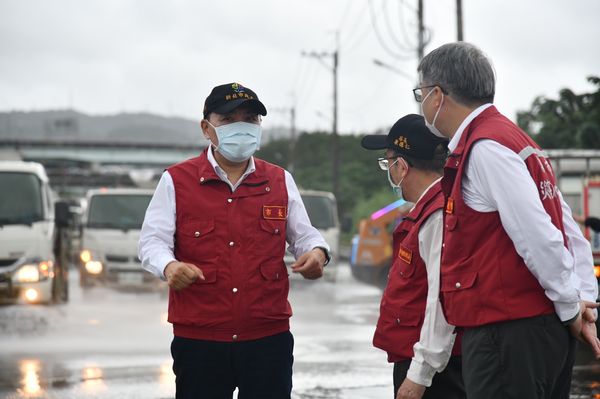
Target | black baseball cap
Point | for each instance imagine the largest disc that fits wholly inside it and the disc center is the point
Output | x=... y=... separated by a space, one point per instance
x=225 y=98
x=409 y=136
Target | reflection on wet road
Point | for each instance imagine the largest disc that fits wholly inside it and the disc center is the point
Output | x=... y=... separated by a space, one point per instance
x=113 y=344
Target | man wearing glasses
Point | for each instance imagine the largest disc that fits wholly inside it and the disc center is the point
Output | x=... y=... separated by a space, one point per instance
x=411 y=327
x=516 y=272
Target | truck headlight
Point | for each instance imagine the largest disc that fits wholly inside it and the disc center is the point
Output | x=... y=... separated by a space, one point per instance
x=93 y=267
x=85 y=256
x=34 y=270
x=27 y=274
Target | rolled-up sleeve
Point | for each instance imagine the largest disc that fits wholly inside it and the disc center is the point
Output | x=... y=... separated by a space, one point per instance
x=300 y=233
x=156 y=243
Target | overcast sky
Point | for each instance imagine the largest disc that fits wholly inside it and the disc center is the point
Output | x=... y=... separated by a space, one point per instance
x=108 y=56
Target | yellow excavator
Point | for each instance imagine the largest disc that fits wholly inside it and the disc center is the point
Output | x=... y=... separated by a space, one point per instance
x=372 y=249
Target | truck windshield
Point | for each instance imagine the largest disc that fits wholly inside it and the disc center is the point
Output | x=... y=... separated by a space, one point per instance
x=321 y=211
x=21 y=198
x=123 y=212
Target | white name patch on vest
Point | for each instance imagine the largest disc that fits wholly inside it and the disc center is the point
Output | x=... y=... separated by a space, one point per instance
x=274 y=212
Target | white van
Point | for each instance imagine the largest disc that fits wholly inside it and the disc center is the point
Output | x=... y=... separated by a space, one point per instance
x=321 y=207
x=29 y=270
x=109 y=238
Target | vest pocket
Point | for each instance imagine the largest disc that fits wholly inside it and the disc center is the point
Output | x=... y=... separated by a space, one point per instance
x=398 y=330
x=460 y=298
x=402 y=269
x=275 y=290
x=195 y=235
x=271 y=237
x=198 y=304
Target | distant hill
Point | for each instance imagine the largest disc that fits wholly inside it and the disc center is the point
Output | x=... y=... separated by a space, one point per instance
x=76 y=127
x=73 y=126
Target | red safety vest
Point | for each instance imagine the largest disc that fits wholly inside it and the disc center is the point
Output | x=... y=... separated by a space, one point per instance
x=237 y=239
x=484 y=280
x=404 y=299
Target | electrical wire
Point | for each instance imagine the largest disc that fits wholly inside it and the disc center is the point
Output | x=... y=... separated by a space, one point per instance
x=398 y=42
x=380 y=37
x=352 y=40
x=407 y=37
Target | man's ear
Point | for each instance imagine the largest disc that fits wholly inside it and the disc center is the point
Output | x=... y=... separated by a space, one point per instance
x=204 y=126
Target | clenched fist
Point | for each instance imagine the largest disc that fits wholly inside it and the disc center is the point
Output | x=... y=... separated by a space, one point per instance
x=180 y=275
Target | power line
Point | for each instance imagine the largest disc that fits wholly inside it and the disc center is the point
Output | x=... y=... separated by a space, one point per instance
x=309 y=83
x=407 y=38
x=355 y=28
x=390 y=30
x=345 y=14
x=380 y=37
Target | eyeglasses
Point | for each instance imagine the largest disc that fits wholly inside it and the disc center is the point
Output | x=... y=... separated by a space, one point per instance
x=384 y=163
x=418 y=92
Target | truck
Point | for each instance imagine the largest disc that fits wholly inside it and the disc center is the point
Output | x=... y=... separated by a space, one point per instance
x=591 y=207
x=322 y=210
x=110 y=232
x=33 y=268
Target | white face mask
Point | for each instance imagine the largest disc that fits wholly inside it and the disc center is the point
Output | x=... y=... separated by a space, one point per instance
x=431 y=126
x=238 y=141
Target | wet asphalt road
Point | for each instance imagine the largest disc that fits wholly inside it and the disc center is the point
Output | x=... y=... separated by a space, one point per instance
x=106 y=343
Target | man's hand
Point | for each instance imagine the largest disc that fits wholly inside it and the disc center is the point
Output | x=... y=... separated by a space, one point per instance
x=180 y=275
x=589 y=332
x=584 y=327
x=410 y=390
x=310 y=264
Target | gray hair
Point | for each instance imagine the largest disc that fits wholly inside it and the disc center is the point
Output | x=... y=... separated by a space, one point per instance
x=462 y=70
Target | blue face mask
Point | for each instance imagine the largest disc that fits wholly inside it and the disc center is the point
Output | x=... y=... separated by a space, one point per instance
x=395 y=187
x=238 y=141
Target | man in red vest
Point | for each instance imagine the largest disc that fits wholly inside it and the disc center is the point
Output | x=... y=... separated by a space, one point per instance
x=216 y=231
x=412 y=328
x=516 y=272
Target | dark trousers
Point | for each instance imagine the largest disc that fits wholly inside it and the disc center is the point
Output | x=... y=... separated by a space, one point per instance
x=528 y=358
x=445 y=385
x=260 y=369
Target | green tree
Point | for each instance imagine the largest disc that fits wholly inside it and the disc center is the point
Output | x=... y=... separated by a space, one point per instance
x=360 y=176
x=571 y=121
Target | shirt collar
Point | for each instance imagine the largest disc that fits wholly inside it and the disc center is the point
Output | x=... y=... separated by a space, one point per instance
x=221 y=173
x=456 y=138
x=433 y=183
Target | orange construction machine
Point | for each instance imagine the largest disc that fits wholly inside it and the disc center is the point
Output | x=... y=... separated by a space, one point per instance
x=372 y=247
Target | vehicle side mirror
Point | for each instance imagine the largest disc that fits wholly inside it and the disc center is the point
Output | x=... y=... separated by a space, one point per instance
x=62 y=214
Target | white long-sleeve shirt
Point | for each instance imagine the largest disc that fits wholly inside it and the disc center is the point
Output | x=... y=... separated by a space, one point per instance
x=157 y=242
x=497 y=179
x=434 y=348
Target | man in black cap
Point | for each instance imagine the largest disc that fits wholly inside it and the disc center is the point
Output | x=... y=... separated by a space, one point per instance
x=412 y=328
x=216 y=231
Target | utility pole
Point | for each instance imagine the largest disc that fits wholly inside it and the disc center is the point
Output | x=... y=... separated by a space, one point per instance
x=421 y=32
x=335 y=165
x=459 y=21
x=335 y=169
x=292 y=142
